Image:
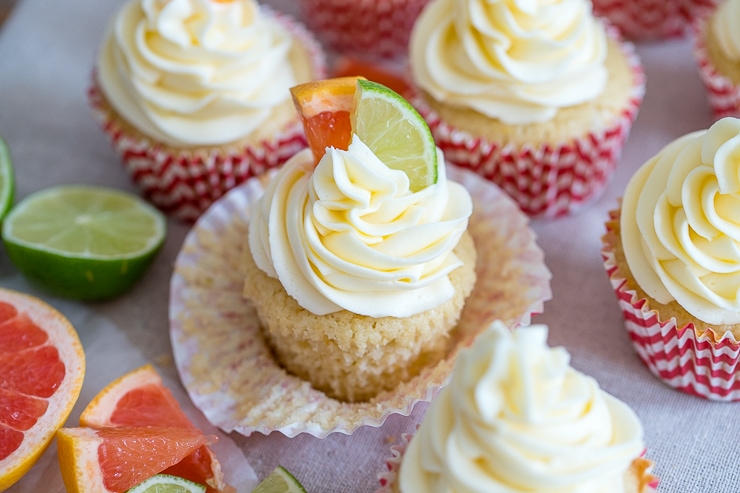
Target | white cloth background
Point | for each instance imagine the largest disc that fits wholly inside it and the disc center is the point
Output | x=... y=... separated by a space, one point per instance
x=46 y=53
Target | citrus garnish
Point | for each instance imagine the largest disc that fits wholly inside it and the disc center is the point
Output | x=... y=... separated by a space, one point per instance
x=139 y=398
x=83 y=242
x=395 y=132
x=42 y=366
x=100 y=460
x=379 y=116
x=7 y=180
x=280 y=480
x=165 y=483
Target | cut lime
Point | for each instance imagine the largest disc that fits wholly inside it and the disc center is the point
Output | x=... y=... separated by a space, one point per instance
x=395 y=132
x=83 y=242
x=7 y=180
x=164 y=483
x=279 y=481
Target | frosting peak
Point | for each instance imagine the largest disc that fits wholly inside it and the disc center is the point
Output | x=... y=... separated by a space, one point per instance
x=352 y=236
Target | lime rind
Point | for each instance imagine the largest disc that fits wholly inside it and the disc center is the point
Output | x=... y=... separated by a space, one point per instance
x=280 y=480
x=392 y=128
x=7 y=180
x=166 y=483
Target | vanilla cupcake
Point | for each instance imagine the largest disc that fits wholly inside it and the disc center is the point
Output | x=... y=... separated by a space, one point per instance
x=517 y=417
x=651 y=19
x=357 y=280
x=717 y=53
x=194 y=95
x=535 y=96
x=672 y=252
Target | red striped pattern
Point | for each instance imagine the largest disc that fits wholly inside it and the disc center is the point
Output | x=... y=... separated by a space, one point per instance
x=650 y=19
x=677 y=355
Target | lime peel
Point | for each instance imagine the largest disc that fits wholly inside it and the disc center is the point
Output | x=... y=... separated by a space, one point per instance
x=7 y=180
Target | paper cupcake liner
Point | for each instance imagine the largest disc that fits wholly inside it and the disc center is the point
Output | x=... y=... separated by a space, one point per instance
x=227 y=367
x=696 y=364
x=650 y=19
x=387 y=478
x=363 y=28
x=545 y=180
x=723 y=95
x=184 y=183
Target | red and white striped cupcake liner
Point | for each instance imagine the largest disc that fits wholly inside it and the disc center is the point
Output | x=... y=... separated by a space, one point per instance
x=695 y=364
x=545 y=180
x=650 y=19
x=185 y=183
x=723 y=95
x=373 y=29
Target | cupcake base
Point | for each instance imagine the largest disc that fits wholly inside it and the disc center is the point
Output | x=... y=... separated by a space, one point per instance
x=696 y=360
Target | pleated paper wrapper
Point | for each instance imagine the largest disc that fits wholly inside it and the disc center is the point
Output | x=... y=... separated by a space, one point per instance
x=650 y=19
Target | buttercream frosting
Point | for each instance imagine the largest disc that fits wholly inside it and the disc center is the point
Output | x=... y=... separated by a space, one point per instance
x=680 y=224
x=195 y=72
x=724 y=28
x=350 y=235
x=516 y=417
x=517 y=61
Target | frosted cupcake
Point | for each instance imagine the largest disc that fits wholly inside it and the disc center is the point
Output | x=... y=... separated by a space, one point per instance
x=194 y=95
x=534 y=96
x=651 y=19
x=357 y=280
x=672 y=252
x=517 y=417
x=717 y=53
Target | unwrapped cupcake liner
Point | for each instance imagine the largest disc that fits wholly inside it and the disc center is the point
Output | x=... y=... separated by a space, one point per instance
x=545 y=180
x=375 y=29
x=723 y=95
x=650 y=19
x=184 y=183
x=227 y=367
x=703 y=365
x=387 y=478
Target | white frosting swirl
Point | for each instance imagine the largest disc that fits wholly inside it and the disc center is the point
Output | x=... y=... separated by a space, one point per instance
x=724 y=28
x=517 y=418
x=195 y=72
x=352 y=236
x=518 y=61
x=680 y=224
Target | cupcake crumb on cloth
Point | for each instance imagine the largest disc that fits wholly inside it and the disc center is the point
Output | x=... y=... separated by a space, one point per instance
x=523 y=102
x=196 y=102
x=672 y=252
x=517 y=417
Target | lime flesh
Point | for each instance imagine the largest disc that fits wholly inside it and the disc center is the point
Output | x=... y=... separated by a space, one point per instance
x=83 y=242
x=164 y=483
x=7 y=180
x=280 y=480
x=395 y=132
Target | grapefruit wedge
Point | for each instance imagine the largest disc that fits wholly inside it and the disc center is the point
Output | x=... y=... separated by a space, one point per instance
x=139 y=398
x=42 y=367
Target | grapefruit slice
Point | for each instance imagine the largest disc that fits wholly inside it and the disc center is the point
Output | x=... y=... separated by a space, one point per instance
x=101 y=460
x=42 y=367
x=139 y=398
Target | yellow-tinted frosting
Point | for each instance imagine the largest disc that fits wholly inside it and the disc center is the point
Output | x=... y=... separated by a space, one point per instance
x=680 y=224
x=725 y=28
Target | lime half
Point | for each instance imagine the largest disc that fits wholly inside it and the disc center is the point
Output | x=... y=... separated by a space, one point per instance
x=83 y=242
x=164 y=483
x=7 y=180
x=395 y=132
x=279 y=481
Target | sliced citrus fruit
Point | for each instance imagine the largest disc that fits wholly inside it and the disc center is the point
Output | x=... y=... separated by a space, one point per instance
x=139 y=398
x=280 y=480
x=165 y=483
x=42 y=366
x=7 y=180
x=379 y=116
x=83 y=242
x=348 y=66
x=100 y=460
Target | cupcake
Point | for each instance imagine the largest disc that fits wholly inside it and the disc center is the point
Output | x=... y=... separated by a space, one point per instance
x=517 y=417
x=672 y=252
x=194 y=97
x=650 y=19
x=358 y=281
x=539 y=100
x=717 y=53
x=366 y=29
